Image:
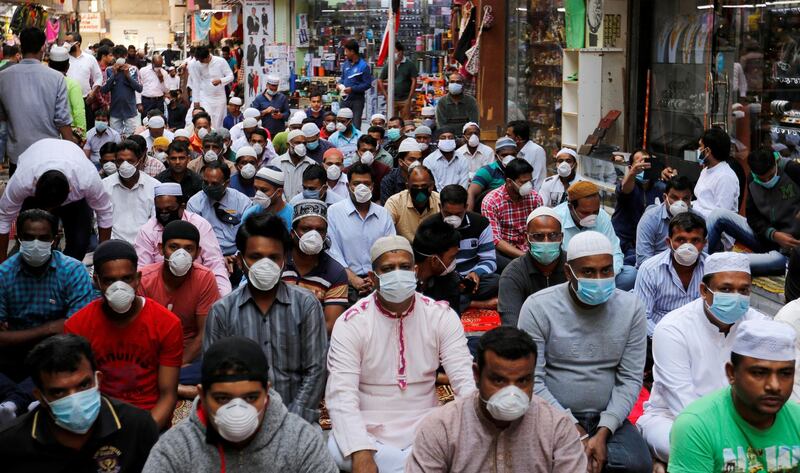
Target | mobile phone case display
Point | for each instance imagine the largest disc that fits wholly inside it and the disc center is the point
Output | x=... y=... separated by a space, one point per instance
x=536 y=38
x=782 y=73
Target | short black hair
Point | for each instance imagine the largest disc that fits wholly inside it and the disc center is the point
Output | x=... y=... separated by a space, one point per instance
x=108 y=148
x=366 y=139
x=736 y=359
x=129 y=145
x=31 y=40
x=520 y=129
x=178 y=147
x=679 y=183
x=260 y=132
x=516 y=168
x=352 y=45
x=199 y=116
x=453 y=194
x=399 y=46
x=315 y=93
x=52 y=189
x=377 y=129
x=359 y=168
x=688 y=222
x=60 y=66
x=328 y=114
x=264 y=224
x=119 y=51
x=76 y=36
x=140 y=142
x=719 y=142
x=434 y=237
x=395 y=118
x=506 y=342
x=214 y=138
x=226 y=49
x=761 y=160
x=201 y=52
x=315 y=172
x=9 y=50
x=106 y=42
x=37 y=215
x=58 y=354
x=101 y=112
x=102 y=51
x=226 y=171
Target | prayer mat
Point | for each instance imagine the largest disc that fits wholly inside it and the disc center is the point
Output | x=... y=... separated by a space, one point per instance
x=182 y=410
x=324 y=418
x=480 y=320
x=771 y=284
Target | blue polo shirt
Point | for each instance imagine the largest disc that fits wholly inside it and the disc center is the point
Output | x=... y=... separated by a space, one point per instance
x=357 y=76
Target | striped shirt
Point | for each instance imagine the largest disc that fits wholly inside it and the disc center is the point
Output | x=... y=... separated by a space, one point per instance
x=327 y=280
x=661 y=290
x=476 y=250
x=292 y=334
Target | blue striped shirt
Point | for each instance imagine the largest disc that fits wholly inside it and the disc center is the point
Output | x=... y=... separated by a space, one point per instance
x=651 y=233
x=28 y=301
x=659 y=287
x=476 y=250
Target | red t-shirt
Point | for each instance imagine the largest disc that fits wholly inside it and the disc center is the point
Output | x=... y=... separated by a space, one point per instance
x=195 y=296
x=129 y=357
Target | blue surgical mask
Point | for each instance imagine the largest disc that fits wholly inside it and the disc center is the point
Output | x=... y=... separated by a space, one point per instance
x=594 y=291
x=312 y=145
x=728 y=308
x=311 y=194
x=100 y=126
x=77 y=412
x=545 y=252
x=393 y=134
x=640 y=177
x=701 y=158
x=768 y=184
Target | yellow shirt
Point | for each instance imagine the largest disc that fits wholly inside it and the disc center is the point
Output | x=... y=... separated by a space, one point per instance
x=405 y=216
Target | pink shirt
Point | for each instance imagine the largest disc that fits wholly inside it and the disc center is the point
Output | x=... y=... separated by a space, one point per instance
x=365 y=396
x=148 y=247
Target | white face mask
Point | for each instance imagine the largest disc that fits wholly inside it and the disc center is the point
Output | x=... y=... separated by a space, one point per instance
x=686 y=254
x=564 y=169
x=36 y=252
x=262 y=199
x=300 y=150
x=397 y=286
x=248 y=171
x=678 y=207
x=161 y=156
x=258 y=149
x=264 y=274
x=333 y=172
x=202 y=133
x=367 y=158
x=109 y=168
x=330 y=126
x=474 y=141
x=508 y=404
x=126 y=170
x=210 y=156
x=340 y=127
x=507 y=160
x=180 y=262
x=588 y=221
x=362 y=193
x=525 y=189
x=455 y=88
x=446 y=146
x=311 y=243
x=237 y=420
x=453 y=220
x=448 y=269
x=120 y=296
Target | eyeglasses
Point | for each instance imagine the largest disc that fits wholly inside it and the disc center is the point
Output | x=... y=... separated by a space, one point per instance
x=539 y=237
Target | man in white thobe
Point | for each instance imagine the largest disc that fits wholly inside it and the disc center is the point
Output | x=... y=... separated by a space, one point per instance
x=208 y=76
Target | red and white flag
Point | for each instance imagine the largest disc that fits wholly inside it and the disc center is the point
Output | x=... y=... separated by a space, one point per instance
x=384 y=52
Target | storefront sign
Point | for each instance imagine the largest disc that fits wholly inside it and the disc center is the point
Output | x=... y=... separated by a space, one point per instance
x=91 y=23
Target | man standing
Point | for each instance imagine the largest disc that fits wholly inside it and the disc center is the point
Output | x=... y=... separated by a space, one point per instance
x=405 y=83
x=252 y=23
x=507 y=427
x=56 y=176
x=285 y=320
x=85 y=70
x=131 y=192
x=153 y=85
x=273 y=105
x=456 y=109
x=252 y=53
x=520 y=132
x=356 y=80
x=748 y=426
x=568 y=322
x=122 y=80
x=392 y=341
x=208 y=76
x=33 y=100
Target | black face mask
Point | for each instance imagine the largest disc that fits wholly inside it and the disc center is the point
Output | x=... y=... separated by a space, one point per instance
x=215 y=193
x=164 y=218
x=420 y=196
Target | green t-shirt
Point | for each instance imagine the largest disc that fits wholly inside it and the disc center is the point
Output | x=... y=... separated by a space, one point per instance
x=406 y=73
x=490 y=177
x=709 y=436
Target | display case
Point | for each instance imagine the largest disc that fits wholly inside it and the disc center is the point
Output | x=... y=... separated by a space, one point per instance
x=534 y=60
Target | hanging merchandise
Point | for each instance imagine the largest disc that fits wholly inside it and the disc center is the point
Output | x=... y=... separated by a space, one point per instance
x=202 y=25
x=466 y=32
x=474 y=53
x=233 y=21
x=219 y=27
x=52 y=29
x=575 y=18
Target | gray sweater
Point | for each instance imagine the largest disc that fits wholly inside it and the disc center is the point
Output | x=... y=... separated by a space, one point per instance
x=286 y=443
x=590 y=360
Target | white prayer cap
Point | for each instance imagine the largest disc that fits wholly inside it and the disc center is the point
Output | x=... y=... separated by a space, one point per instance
x=273 y=80
x=408 y=144
x=568 y=151
x=726 y=261
x=377 y=116
x=389 y=243
x=765 y=340
x=588 y=243
x=297 y=118
x=246 y=151
x=171 y=68
x=251 y=113
x=543 y=211
x=249 y=122
x=422 y=130
x=504 y=142
x=469 y=124
x=168 y=188
x=428 y=111
x=310 y=129
x=344 y=113
x=294 y=134
x=59 y=54
x=235 y=101
x=182 y=133
x=271 y=174
x=156 y=122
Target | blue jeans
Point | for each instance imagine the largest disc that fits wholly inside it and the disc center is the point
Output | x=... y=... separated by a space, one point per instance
x=627 y=451
x=190 y=375
x=626 y=278
x=763 y=261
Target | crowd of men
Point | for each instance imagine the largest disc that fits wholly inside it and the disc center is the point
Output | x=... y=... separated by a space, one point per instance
x=254 y=265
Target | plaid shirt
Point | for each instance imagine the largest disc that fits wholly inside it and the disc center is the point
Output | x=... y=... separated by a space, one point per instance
x=153 y=167
x=28 y=301
x=508 y=217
